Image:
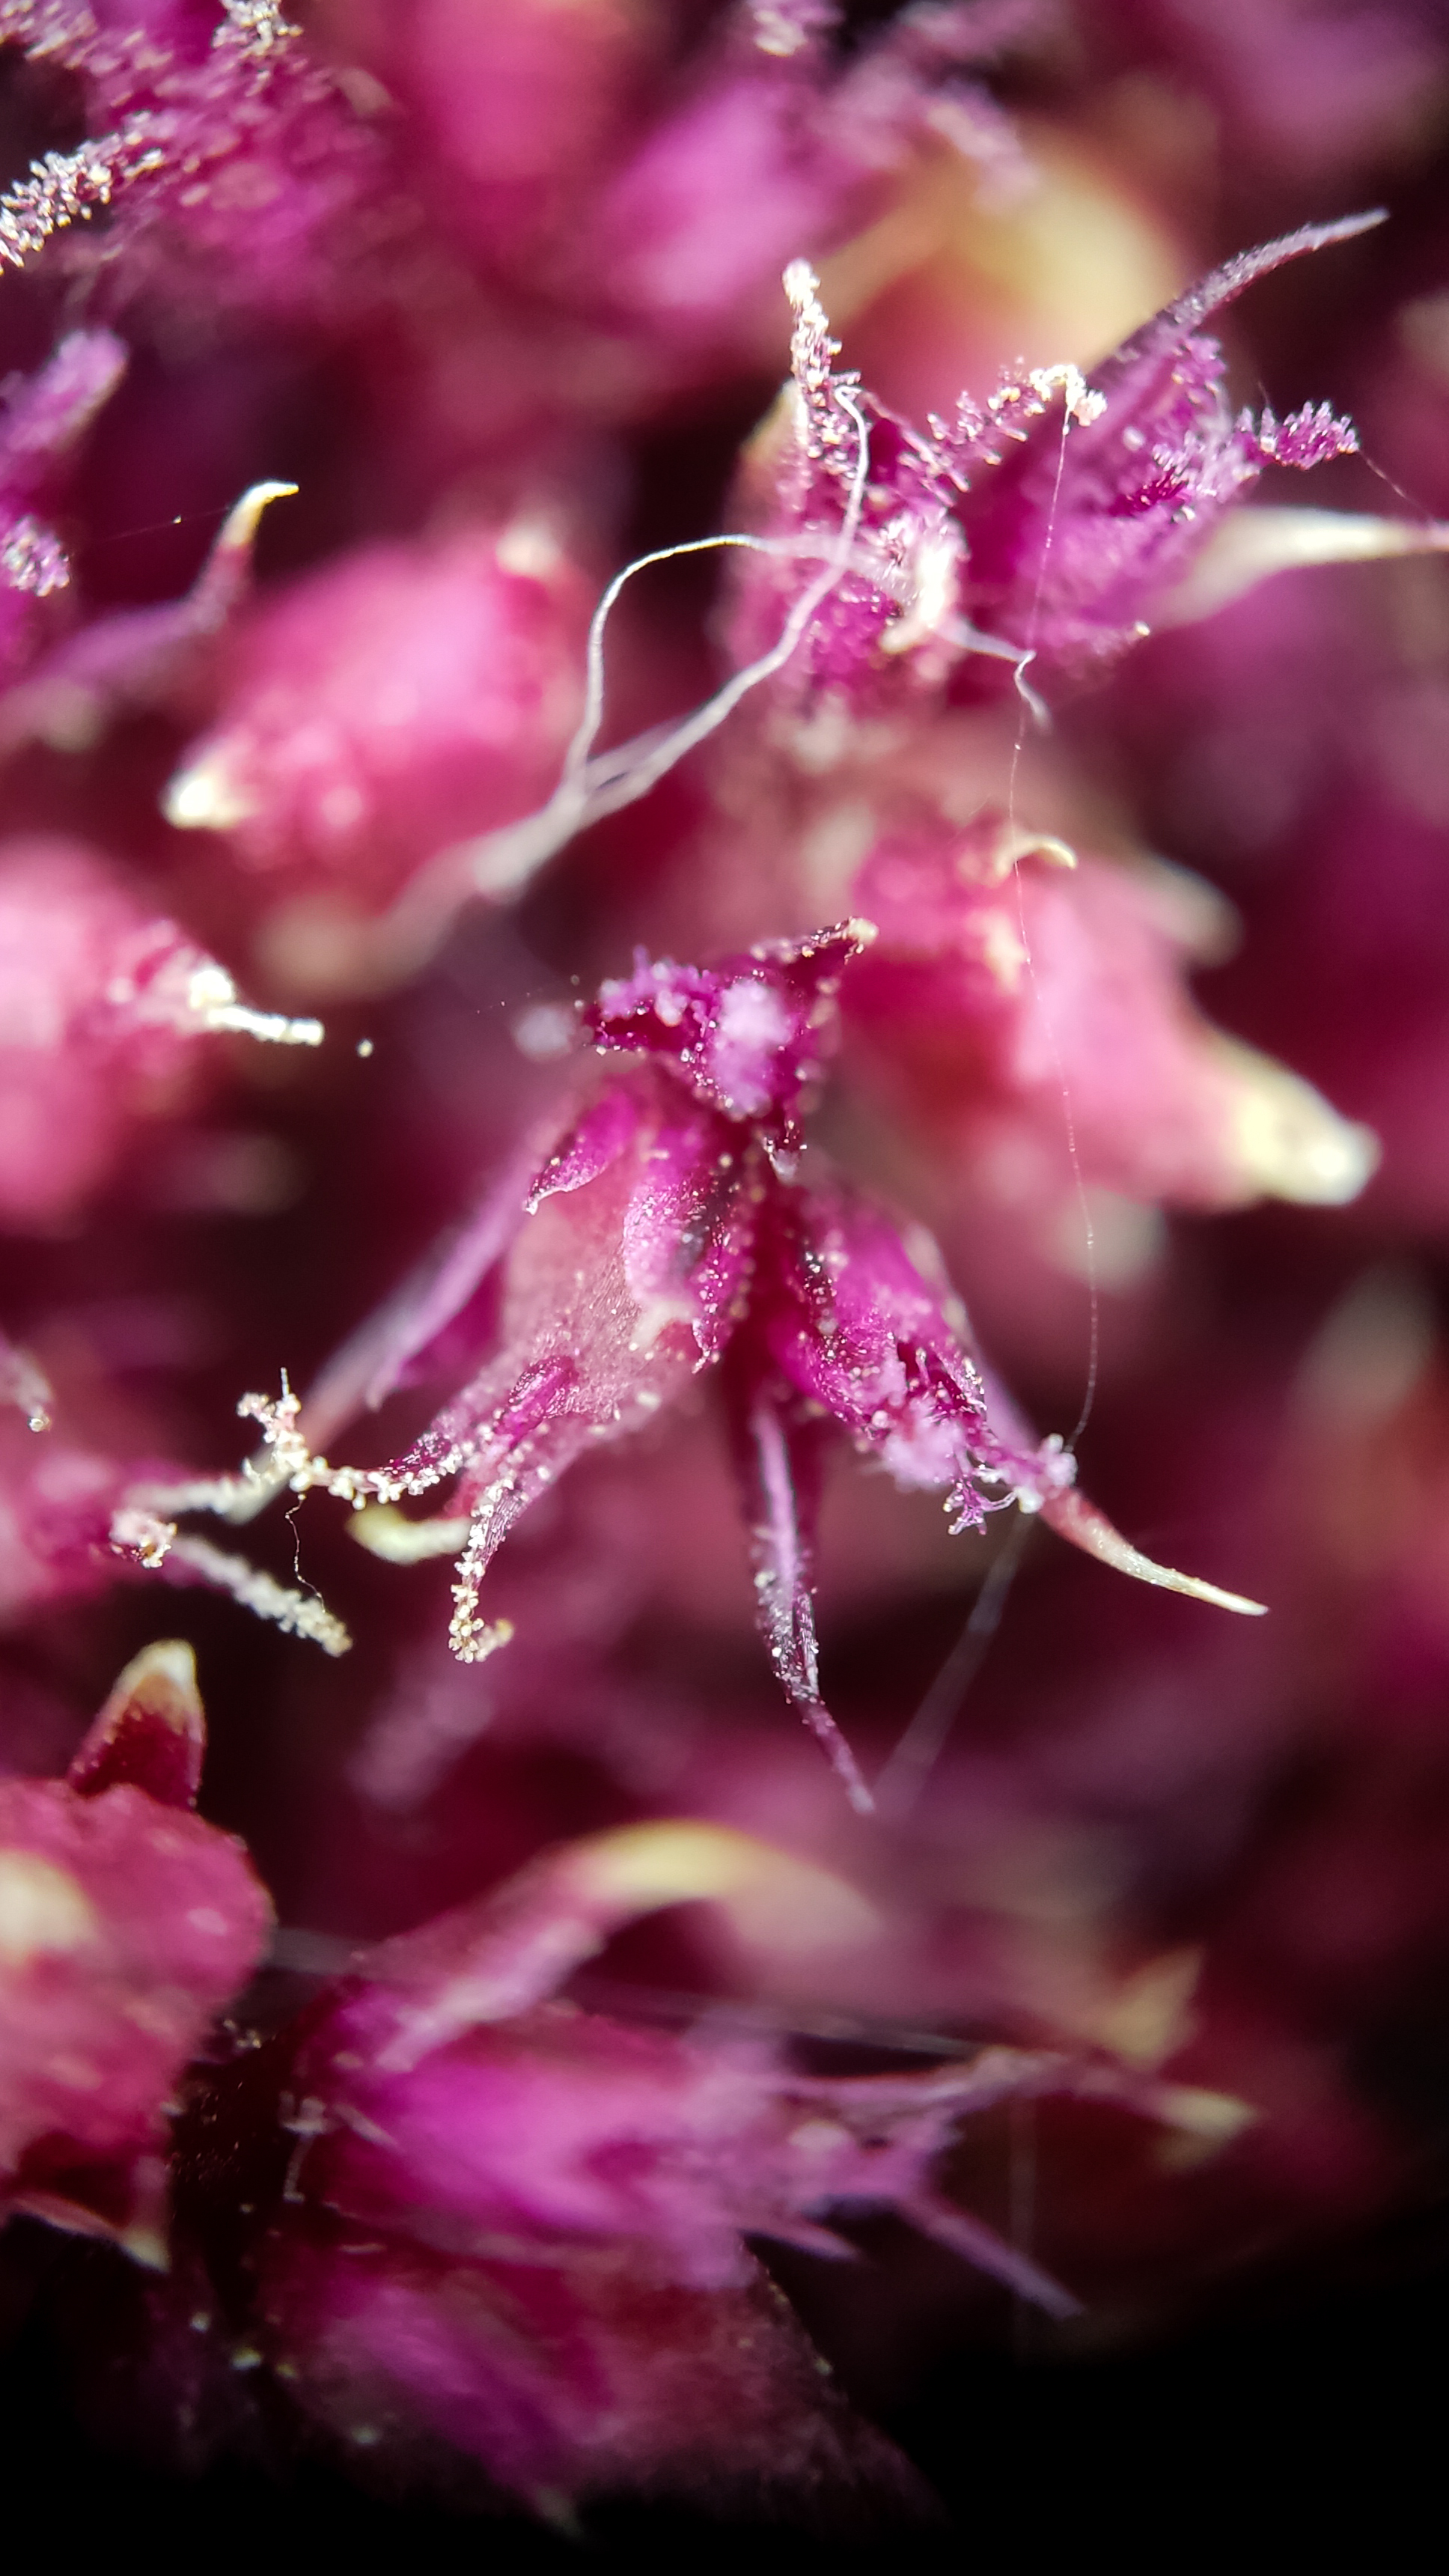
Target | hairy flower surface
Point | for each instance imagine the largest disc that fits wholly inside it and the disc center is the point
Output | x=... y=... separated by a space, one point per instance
x=218 y=151
x=1040 y=528
x=666 y=1232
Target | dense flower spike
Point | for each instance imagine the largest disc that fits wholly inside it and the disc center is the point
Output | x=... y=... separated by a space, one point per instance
x=1111 y=1976
x=125 y=1925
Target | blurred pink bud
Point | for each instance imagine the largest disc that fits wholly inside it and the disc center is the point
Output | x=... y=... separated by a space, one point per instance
x=1009 y=972
x=125 y=1925
x=402 y=697
x=43 y=417
x=101 y=1002
x=510 y=111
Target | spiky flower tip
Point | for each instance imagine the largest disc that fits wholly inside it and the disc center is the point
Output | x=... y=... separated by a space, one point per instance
x=671 y=1231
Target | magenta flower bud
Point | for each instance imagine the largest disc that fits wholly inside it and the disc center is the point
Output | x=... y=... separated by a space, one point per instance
x=664 y=1235
x=125 y=1924
x=397 y=700
x=1008 y=967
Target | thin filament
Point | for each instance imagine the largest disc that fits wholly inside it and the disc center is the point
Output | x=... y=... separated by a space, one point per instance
x=1029 y=703
x=590 y=787
x=905 y=1774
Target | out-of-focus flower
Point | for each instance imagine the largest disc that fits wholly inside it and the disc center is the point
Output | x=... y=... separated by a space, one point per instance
x=389 y=705
x=218 y=150
x=517 y=2230
x=44 y=418
x=125 y=1925
x=1009 y=970
x=101 y=1002
x=1312 y=88
x=657 y=200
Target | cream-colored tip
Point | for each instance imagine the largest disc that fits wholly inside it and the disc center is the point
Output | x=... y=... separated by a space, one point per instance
x=1289 y=1142
x=771 y=1896
x=146 y=2245
x=1074 y=1518
x=386 y=1532
x=1252 y=545
x=44 y=1911
x=241 y=521
x=1214 y=2118
x=204 y=797
x=164 y=1675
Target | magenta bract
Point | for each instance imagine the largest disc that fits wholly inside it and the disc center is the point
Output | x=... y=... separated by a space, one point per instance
x=125 y=1925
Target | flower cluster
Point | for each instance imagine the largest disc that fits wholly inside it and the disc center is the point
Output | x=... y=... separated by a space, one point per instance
x=636 y=932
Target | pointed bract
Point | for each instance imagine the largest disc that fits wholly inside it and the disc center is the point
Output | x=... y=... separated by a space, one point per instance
x=777 y=1460
x=151 y=1732
x=125 y=1925
x=854 y=1325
